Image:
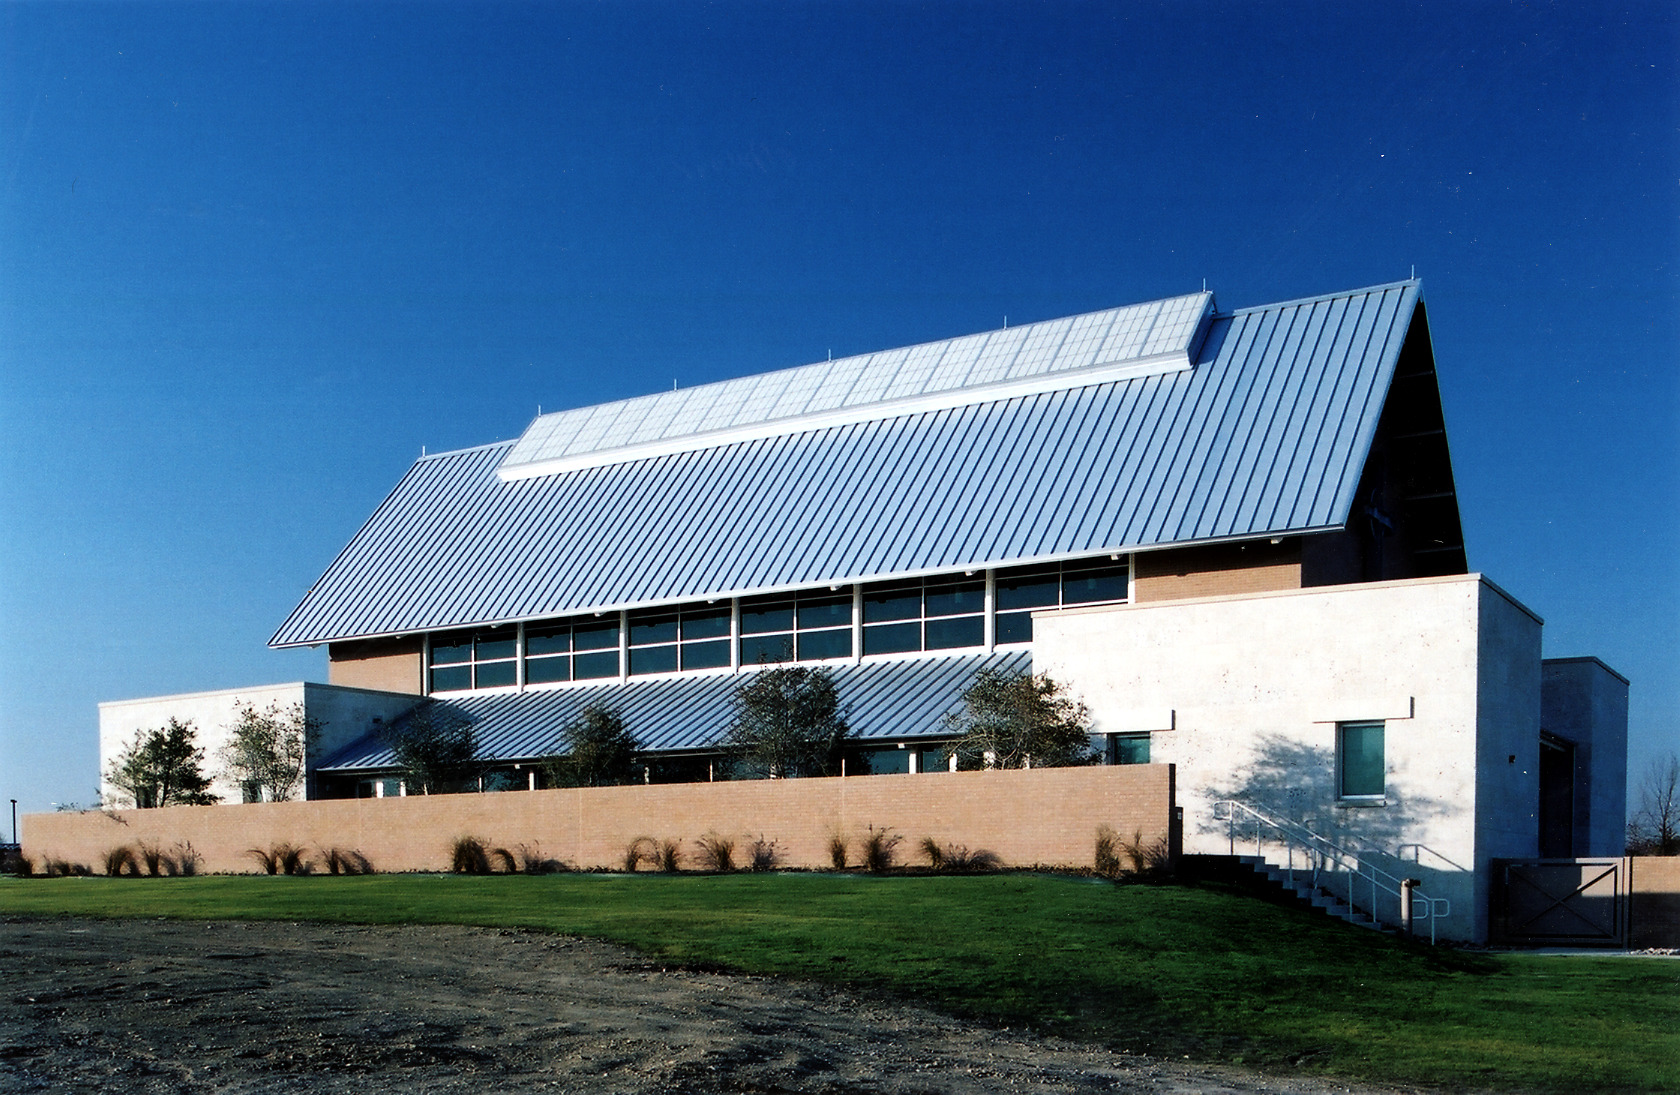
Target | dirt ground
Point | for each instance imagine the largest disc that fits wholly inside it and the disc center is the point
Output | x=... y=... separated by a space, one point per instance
x=171 y=1006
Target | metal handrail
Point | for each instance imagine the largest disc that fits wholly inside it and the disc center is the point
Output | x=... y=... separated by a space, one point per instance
x=1325 y=857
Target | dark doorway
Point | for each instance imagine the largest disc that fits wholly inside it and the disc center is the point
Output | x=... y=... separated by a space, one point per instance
x=1557 y=798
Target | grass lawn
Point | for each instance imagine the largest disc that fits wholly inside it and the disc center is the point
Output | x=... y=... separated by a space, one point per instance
x=1197 y=971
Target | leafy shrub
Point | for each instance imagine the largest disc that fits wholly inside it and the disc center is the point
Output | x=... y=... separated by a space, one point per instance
x=879 y=848
x=344 y=861
x=121 y=861
x=282 y=858
x=837 y=851
x=717 y=853
x=639 y=851
x=788 y=722
x=1020 y=720
x=22 y=865
x=600 y=752
x=763 y=855
x=468 y=855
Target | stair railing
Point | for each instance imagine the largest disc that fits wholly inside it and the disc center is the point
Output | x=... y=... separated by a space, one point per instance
x=1326 y=861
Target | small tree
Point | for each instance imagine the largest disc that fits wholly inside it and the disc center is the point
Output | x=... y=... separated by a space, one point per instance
x=162 y=768
x=788 y=722
x=267 y=750
x=1020 y=720
x=1654 y=827
x=600 y=752
x=436 y=750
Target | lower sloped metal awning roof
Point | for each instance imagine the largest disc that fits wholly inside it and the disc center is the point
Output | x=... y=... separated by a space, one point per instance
x=884 y=701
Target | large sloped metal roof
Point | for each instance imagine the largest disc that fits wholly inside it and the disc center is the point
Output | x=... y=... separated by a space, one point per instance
x=886 y=700
x=1265 y=435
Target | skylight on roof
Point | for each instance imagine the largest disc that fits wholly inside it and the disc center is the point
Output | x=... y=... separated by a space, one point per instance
x=1160 y=336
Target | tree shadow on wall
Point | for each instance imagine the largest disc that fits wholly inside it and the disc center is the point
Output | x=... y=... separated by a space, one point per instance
x=1297 y=781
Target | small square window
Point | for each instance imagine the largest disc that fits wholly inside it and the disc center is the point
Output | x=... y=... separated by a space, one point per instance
x=1360 y=766
x=1129 y=749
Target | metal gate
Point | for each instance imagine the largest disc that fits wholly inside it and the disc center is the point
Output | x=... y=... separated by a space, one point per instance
x=1560 y=902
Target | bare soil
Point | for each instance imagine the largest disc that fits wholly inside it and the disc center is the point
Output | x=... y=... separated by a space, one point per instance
x=175 y=1006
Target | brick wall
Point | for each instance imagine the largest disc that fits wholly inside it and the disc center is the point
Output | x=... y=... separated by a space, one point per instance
x=1654 y=890
x=385 y=665
x=1218 y=570
x=1044 y=816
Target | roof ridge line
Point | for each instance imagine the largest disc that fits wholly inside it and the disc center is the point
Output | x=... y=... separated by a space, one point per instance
x=1404 y=283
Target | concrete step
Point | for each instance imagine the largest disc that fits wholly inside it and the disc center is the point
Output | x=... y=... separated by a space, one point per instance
x=1269 y=877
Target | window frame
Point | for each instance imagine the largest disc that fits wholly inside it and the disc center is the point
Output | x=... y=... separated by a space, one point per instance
x=1344 y=766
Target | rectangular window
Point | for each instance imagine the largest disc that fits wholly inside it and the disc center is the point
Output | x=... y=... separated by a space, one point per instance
x=806 y=627
x=1128 y=749
x=1359 y=759
x=687 y=637
x=936 y=614
x=567 y=650
x=1021 y=590
x=463 y=660
x=878 y=762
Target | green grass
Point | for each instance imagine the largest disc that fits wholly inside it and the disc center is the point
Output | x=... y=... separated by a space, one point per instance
x=1176 y=971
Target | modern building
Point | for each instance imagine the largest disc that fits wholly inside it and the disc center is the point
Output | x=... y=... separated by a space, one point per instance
x=1234 y=534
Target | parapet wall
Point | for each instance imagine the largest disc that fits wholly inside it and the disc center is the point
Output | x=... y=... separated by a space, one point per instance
x=1044 y=816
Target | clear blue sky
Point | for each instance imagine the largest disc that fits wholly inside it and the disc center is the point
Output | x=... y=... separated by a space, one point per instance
x=253 y=257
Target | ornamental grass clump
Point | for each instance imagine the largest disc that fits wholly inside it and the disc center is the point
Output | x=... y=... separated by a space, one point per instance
x=1107 y=860
x=532 y=861
x=837 y=851
x=282 y=858
x=154 y=859
x=717 y=853
x=186 y=859
x=880 y=846
x=344 y=861
x=763 y=855
x=468 y=855
x=670 y=856
x=639 y=851
x=958 y=858
x=121 y=862
x=52 y=867
x=1148 y=859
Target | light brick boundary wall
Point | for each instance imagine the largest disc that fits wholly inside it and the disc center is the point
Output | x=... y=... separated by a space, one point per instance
x=1040 y=817
x=1654 y=893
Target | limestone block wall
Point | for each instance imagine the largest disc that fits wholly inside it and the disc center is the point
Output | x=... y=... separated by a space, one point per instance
x=1043 y=816
x=1244 y=695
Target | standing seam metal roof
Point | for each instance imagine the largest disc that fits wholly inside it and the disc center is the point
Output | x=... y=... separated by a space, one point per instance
x=883 y=701
x=1267 y=435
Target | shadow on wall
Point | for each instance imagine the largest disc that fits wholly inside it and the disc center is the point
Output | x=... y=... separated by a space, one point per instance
x=1298 y=782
